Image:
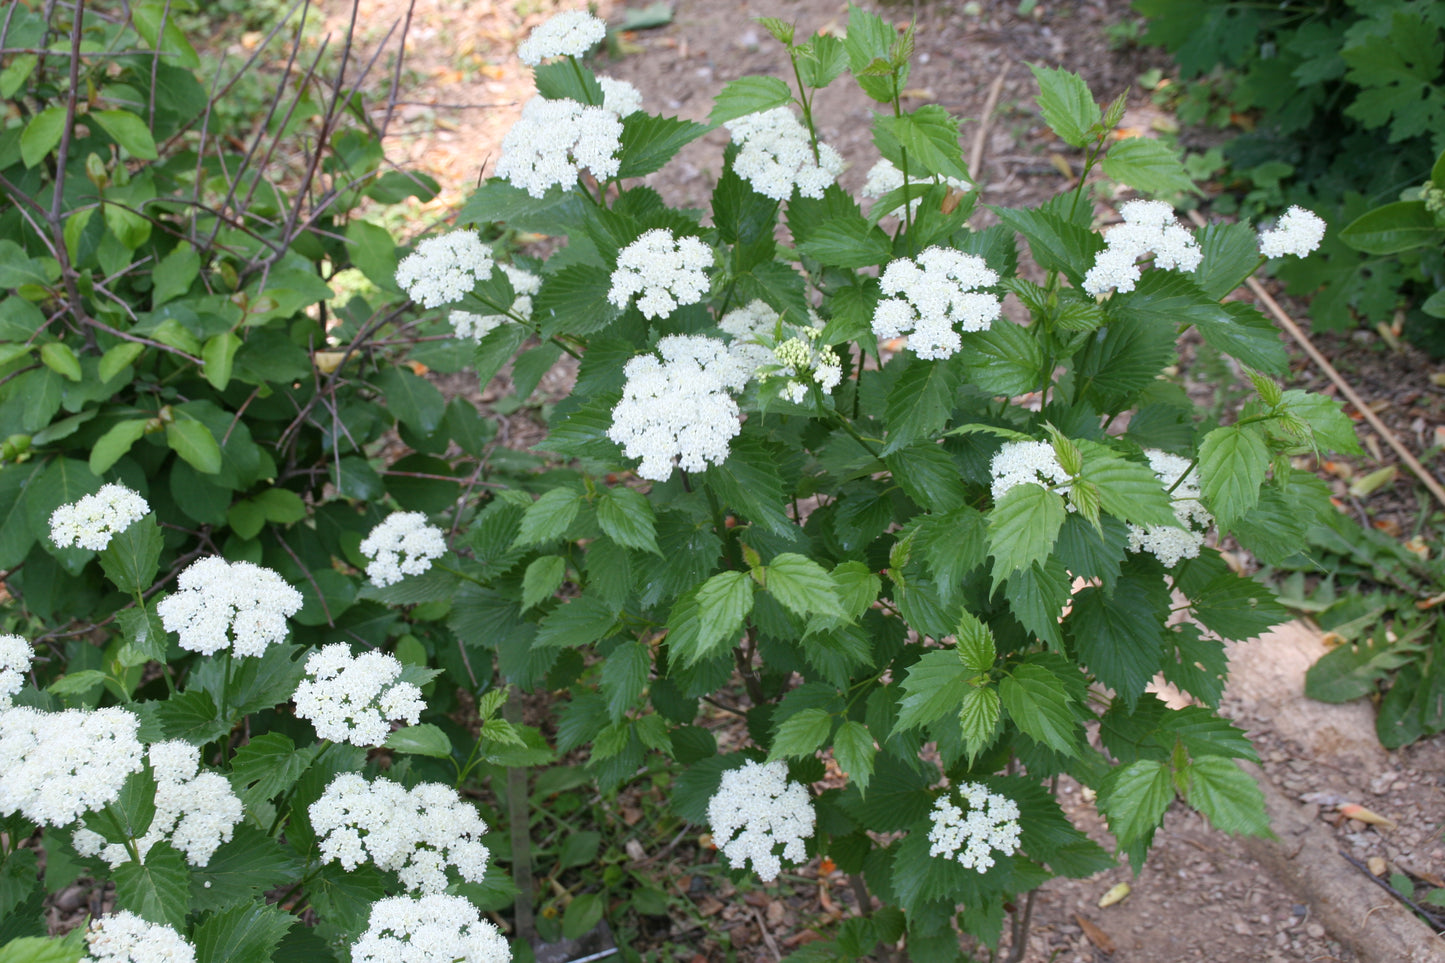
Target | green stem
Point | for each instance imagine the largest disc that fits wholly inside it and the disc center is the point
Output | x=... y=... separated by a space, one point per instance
x=867 y=443
x=460 y=574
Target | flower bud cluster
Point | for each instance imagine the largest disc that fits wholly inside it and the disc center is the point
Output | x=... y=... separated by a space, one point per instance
x=679 y=410
x=235 y=605
x=1168 y=543
x=1298 y=232
x=933 y=298
x=15 y=658
x=416 y=833
x=1021 y=462
x=126 y=938
x=1149 y=228
x=667 y=271
x=445 y=268
x=525 y=284
x=757 y=809
x=93 y=520
x=436 y=928
x=195 y=811
x=57 y=766
x=775 y=155
x=554 y=139
x=884 y=177
x=990 y=823
x=351 y=699
x=570 y=33
x=403 y=544
x=772 y=349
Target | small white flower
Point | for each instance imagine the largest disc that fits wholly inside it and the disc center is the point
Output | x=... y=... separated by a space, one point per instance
x=1168 y=543
x=773 y=349
x=59 y=765
x=1022 y=462
x=525 y=284
x=679 y=409
x=570 y=33
x=554 y=139
x=350 y=699
x=775 y=154
x=1298 y=232
x=415 y=833
x=755 y=810
x=92 y=521
x=444 y=268
x=126 y=938
x=884 y=177
x=933 y=298
x=15 y=658
x=403 y=544
x=990 y=823
x=619 y=96
x=436 y=928
x=235 y=605
x=667 y=271
x=1149 y=228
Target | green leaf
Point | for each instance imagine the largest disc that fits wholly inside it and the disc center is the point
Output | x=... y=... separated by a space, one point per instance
x=42 y=135
x=1004 y=360
x=627 y=518
x=1331 y=428
x=801 y=734
x=624 y=676
x=1230 y=254
x=581 y=915
x=1127 y=489
x=936 y=686
x=268 y=765
x=58 y=357
x=415 y=401
x=1149 y=166
x=1353 y=670
x=1039 y=705
x=65 y=481
x=930 y=137
x=247 y=933
x=156 y=889
x=548 y=518
x=128 y=130
x=132 y=558
x=1224 y=793
x=1135 y=797
x=978 y=717
x=975 y=643
x=710 y=617
x=929 y=476
x=1120 y=635
x=112 y=446
x=144 y=635
x=579 y=622
x=1067 y=105
x=76 y=683
x=649 y=142
x=34 y=949
x=218 y=357
x=847 y=242
x=193 y=441
x=920 y=402
x=421 y=740
x=1232 y=464
x=853 y=750
x=116 y=359
x=802 y=585
x=1237 y=608
x=542 y=579
x=189 y=715
x=747 y=95
x=1022 y=528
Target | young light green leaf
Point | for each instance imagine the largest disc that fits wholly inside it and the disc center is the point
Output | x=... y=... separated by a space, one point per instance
x=802 y=585
x=112 y=446
x=710 y=617
x=627 y=518
x=748 y=95
x=975 y=642
x=194 y=442
x=421 y=740
x=542 y=580
x=978 y=717
x=1149 y=166
x=854 y=750
x=128 y=130
x=1134 y=798
x=548 y=517
x=42 y=134
x=1232 y=463
x=1067 y=105
x=1022 y=528
x=76 y=683
x=1222 y=791
x=60 y=358
x=1128 y=490
x=935 y=685
x=801 y=734
x=217 y=358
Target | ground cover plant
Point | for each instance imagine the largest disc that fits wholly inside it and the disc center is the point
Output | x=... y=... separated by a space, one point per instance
x=808 y=473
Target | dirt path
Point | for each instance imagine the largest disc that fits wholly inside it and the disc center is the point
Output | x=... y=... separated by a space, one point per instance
x=1200 y=897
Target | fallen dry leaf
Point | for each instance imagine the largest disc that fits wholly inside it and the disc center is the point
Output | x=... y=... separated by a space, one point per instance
x=1096 y=936
x=1360 y=813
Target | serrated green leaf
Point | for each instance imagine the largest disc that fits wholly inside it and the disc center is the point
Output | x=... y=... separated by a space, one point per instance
x=1331 y=428
x=247 y=933
x=975 y=643
x=34 y=949
x=579 y=622
x=76 y=683
x=415 y=401
x=1128 y=490
x=1134 y=798
x=627 y=518
x=1149 y=166
x=1022 y=528
x=935 y=685
x=624 y=675
x=649 y=142
x=801 y=734
x=1232 y=463
x=802 y=585
x=268 y=765
x=420 y=740
x=1225 y=794
x=132 y=558
x=920 y=402
x=548 y=517
x=748 y=95
x=978 y=718
x=1120 y=635
x=156 y=889
x=710 y=617
x=1066 y=104
x=542 y=579
x=1039 y=705
x=853 y=750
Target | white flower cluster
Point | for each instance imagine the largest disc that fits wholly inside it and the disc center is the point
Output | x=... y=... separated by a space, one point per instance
x=803 y=362
x=404 y=543
x=15 y=658
x=1298 y=232
x=1020 y=462
x=429 y=929
x=570 y=33
x=554 y=139
x=477 y=326
x=756 y=809
x=126 y=938
x=235 y=605
x=195 y=811
x=775 y=154
x=679 y=409
x=772 y=349
x=1167 y=543
x=444 y=268
x=932 y=299
x=415 y=833
x=619 y=96
x=667 y=271
x=992 y=823
x=60 y=765
x=92 y=521
x=885 y=177
x=351 y=699
x=1149 y=228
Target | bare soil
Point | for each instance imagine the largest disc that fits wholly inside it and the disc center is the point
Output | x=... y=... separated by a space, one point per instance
x=1200 y=897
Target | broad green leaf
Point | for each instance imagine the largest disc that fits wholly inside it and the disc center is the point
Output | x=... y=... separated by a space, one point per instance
x=173 y=277
x=112 y=446
x=975 y=643
x=935 y=685
x=715 y=616
x=267 y=765
x=649 y=142
x=579 y=622
x=749 y=95
x=1134 y=798
x=1120 y=635
x=1039 y=705
x=1224 y=793
x=247 y=933
x=132 y=558
x=801 y=734
x=1149 y=166
x=76 y=683
x=1392 y=228
x=625 y=672
x=1353 y=670
x=193 y=441
x=42 y=135
x=542 y=579
x=191 y=715
x=1022 y=528
x=802 y=585
x=929 y=135
x=217 y=358
x=1067 y=105
x=420 y=740
x=581 y=915
x=1004 y=360
x=858 y=588
x=853 y=750
x=34 y=949
x=1330 y=427
x=415 y=401
x=627 y=518
x=60 y=358
x=1127 y=489
x=155 y=889
x=144 y=635
x=929 y=475
x=115 y=359
x=920 y=402
x=128 y=130
x=1231 y=254
x=548 y=517
x=1232 y=464
x=978 y=717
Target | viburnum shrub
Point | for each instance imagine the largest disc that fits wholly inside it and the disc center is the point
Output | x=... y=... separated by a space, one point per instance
x=809 y=475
